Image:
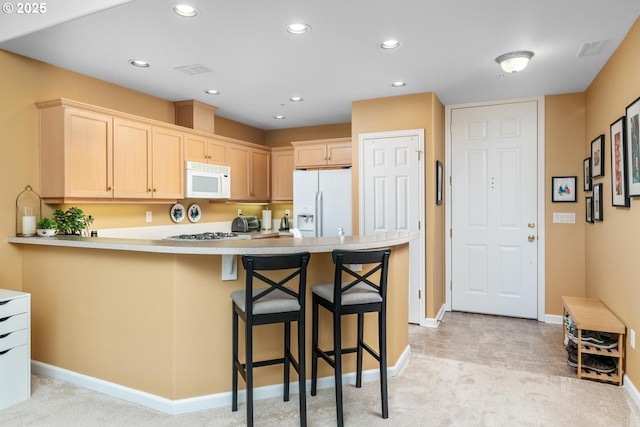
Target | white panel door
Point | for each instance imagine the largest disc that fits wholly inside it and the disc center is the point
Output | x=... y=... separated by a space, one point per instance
x=494 y=209
x=392 y=197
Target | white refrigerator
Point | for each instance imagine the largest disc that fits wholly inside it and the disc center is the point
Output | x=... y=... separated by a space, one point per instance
x=322 y=202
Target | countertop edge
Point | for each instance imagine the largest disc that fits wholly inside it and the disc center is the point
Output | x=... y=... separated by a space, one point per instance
x=224 y=247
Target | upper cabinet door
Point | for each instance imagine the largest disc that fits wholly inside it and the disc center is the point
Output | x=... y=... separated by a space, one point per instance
x=322 y=153
x=87 y=155
x=195 y=148
x=260 y=175
x=131 y=159
x=167 y=170
x=339 y=154
x=239 y=161
x=282 y=174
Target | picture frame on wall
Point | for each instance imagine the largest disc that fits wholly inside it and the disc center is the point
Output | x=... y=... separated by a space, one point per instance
x=586 y=171
x=563 y=188
x=588 y=205
x=619 y=186
x=597 y=157
x=439 y=177
x=598 y=213
x=632 y=141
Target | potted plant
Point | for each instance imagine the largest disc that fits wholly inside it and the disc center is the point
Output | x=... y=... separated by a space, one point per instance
x=47 y=227
x=72 y=221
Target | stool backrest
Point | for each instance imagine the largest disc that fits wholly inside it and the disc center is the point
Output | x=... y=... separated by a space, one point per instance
x=254 y=264
x=377 y=260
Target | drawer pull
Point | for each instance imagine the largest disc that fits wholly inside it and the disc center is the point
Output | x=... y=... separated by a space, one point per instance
x=5 y=318
x=5 y=335
x=4 y=302
x=4 y=352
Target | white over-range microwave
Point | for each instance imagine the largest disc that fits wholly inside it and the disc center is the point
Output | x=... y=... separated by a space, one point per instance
x=205 y=181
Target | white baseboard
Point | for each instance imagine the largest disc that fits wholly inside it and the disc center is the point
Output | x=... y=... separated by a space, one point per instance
x=632 y=390
x=553 y=318
x=199 y=403
x=433 y=322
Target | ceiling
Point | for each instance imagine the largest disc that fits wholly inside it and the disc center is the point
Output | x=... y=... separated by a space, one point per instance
x=447 y=47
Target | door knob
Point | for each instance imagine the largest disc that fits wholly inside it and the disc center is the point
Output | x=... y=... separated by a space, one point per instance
x=531 y=237
x=531 y=225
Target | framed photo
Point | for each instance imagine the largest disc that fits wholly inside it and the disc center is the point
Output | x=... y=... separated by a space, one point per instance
x=597 y=203
x=589 y=209
x=439 y=177
x=633 y=147
x=586 y=171
x=619 y=190
x=563 y=188
x=597 y=157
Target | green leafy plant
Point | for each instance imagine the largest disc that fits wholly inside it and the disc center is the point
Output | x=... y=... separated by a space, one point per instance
x=72 y=221
x=47 y=224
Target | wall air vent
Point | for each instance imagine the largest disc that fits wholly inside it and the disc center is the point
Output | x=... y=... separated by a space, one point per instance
x=591 y=48
x=191 y=70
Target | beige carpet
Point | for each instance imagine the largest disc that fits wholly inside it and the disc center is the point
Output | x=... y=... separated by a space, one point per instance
x=428 y=392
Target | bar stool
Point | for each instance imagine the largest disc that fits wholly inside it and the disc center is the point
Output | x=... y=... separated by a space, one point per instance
x=366 y=293
x=276 y=303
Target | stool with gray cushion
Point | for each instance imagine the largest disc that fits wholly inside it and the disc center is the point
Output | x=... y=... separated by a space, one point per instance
x=353 y=293
x=275 y=303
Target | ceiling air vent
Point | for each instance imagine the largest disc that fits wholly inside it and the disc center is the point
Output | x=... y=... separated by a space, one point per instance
x=591 y=48
x=191 y=70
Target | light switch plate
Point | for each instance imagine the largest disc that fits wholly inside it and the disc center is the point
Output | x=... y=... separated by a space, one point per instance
x=564 y=218
x=632 y=339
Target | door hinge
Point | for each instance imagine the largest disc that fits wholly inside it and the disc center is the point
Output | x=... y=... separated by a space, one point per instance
x=451 y=180
x=419 y=153
x=419 y=225
x=419 y=294
x=451 y=285
x=451 y=232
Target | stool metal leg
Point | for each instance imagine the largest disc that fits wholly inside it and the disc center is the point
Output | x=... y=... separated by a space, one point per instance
x=234 y=378
x=314 y=346
x=302 y=375
x=249 y=372
x=337 y=347
x=359 y=350
x=382 y=340
x=287 y=360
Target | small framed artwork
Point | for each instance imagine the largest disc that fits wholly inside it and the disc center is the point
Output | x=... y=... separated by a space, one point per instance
x=597 y=203
x=633 y=147
x=586 y=168
x=439 y=177
x=597 y=157
x=619 y=190
x=588 y=205
x=563 y=188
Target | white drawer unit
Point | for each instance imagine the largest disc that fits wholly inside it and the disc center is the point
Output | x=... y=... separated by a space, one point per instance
x=15 y=347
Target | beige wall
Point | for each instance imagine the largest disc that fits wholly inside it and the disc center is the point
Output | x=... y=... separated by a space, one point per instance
x=612 y=246
x=283 y=137
x=420 y=111
x=564 y=152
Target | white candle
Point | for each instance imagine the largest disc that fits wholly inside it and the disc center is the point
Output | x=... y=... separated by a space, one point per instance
x=28 y=225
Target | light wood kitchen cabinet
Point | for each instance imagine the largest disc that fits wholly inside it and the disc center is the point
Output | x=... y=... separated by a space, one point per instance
x=250 y=172
x=75 y=153
x=282 y=174
x=89 y=153
x=199 y=148
x=322 y=153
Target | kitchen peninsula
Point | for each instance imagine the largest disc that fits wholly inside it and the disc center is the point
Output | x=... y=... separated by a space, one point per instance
x=150 y=320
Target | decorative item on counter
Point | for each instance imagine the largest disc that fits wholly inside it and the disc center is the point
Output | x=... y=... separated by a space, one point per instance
x=266 y=219
x=47 y=227
x=28 y=211
x=73 y=221
x=194 y=213
x=177 y=212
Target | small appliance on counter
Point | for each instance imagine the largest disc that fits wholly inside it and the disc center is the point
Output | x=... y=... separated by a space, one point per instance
x=284 y=223
x=245 y=224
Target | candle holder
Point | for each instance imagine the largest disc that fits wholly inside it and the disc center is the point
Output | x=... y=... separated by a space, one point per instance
x=28 y=212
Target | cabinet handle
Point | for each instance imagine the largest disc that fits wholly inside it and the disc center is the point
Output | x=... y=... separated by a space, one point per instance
x=154 y=190
x=4 y=302
x=5 y=335
x=148 y=190
x=5 y=318
x=4 y=352
x=109 y=188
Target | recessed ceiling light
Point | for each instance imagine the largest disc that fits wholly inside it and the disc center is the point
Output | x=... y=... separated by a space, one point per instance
x=212 y=92
x=390 y=44
x=398 y=84
x=139 y=63
x=278 y=117
x=185 y=10
x=295 y=99
x=298 y=28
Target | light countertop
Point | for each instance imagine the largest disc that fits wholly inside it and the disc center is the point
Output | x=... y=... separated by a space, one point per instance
x=278 y=245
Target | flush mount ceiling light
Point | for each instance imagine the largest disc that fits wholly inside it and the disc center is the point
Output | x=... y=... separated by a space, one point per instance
x=390 y=44
x=139 y=63
x=298 y=28
x=212 y=92
x=295 y=99
x=513 y=62
x=185 y=10
x=398 y=84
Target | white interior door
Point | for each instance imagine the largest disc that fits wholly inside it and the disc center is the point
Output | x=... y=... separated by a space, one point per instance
x=392 y=197
x=494 y=209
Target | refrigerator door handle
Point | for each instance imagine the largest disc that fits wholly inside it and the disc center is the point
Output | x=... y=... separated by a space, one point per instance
x=319 y=214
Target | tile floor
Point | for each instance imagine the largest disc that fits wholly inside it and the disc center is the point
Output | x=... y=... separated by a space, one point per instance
x=521 y=344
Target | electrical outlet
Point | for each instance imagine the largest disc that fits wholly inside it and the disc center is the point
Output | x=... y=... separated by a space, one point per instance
x=239 y=212
x=286 y=212
x=149 y=216
x=632 y=339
